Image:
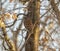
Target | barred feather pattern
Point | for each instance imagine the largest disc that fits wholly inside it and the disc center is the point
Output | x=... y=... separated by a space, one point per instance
x=28 y=24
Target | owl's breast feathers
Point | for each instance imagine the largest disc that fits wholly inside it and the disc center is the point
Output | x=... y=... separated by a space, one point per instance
x=28 y=24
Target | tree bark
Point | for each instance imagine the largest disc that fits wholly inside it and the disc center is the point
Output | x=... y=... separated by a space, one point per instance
x=34 y=13
x=37 y=29
x=10 y=44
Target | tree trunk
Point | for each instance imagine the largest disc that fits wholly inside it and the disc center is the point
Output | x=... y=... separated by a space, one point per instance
x=15 y=40
x=34 y=13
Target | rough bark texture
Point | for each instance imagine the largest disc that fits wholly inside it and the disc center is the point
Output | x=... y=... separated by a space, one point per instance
x=34 y=13
x=37 y=29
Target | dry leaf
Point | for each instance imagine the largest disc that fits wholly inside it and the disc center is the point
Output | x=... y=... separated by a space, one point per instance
x=14 y=16
x=7 y=15
x=2 y=24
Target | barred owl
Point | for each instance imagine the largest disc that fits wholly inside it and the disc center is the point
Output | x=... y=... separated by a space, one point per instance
x=28 y=24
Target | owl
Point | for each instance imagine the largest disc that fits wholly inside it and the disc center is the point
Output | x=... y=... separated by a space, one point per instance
x=28 y=24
